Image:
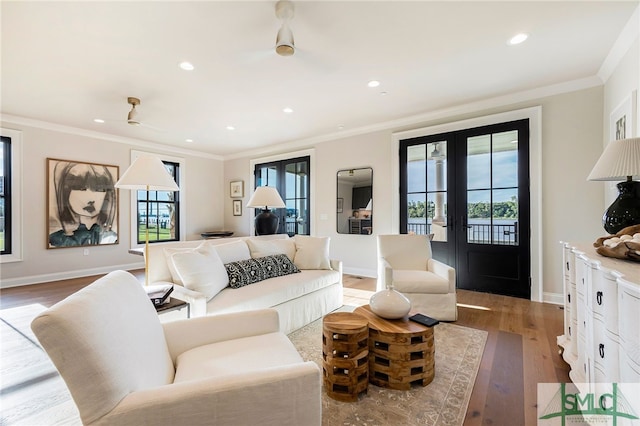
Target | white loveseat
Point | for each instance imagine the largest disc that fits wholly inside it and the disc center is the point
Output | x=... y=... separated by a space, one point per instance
x=299 y=298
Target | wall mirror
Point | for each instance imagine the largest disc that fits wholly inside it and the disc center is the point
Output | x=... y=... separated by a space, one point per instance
x=355 y=201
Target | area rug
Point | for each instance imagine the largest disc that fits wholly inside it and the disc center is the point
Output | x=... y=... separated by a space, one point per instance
x=444 y=401
x=34 y=394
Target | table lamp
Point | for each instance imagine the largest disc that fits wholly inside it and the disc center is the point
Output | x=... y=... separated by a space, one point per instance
x=266 y=223
x=620 y=160
x=147 y=173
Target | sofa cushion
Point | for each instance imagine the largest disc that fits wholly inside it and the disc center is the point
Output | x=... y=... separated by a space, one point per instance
x=272 y=292
x=312 y=252
x=233 y=252
x=410 y=281
x=201 y=270
x=250 y=271
x=262 y=248
x=246 y=355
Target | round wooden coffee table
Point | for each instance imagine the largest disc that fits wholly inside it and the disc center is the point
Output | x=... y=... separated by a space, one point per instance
x=345 y=355
x=401 y=352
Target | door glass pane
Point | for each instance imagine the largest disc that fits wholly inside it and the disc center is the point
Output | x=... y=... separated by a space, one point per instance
x=417 y=214
x=505 y=160
x=479 y=217
x=436 y=215
x=416 y=163
x=479 y=162
x=505 y=216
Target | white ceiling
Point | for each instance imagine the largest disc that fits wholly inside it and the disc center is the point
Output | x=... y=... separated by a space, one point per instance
x=70 y=62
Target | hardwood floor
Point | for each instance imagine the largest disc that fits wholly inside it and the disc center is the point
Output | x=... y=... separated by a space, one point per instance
x=520 y=352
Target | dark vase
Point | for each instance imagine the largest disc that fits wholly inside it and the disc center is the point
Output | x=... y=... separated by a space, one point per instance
x=625 y=210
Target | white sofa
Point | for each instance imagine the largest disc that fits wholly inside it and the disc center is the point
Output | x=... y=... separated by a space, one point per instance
x=299 y=298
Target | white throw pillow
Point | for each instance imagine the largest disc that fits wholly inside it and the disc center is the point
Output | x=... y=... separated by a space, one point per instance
x=262 y=248
x=232 y=252
x=312 y=252
x=168 y=252
x=201 y=270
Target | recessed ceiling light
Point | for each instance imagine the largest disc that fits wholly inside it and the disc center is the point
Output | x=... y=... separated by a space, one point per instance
x=287 y=110
x=373 y=83
x=383 y=93
x=341 y=127
x=518 y=38
x=98 y=120
x=230 y=128
x=188 y=140
x=187 y=66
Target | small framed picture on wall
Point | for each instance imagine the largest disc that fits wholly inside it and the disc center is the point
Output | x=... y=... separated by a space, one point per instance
x=237 y=207
x=237 y=189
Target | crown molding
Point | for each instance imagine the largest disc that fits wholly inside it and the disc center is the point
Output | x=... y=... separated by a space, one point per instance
x=623 y=43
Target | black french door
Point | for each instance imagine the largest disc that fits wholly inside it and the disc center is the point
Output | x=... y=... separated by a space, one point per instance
x=469 y=189
x=291 y=177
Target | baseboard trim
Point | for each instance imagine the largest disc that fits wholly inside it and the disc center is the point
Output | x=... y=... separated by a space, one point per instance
x=38 y=279
x=554 y=298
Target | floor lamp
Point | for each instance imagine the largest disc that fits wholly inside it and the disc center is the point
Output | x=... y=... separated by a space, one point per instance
x=147 y=173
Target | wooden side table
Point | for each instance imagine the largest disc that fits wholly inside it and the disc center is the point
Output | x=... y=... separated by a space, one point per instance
x=345 y=355
x=401 y=352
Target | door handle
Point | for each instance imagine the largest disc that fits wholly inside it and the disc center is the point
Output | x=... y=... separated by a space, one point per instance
x=465 y=225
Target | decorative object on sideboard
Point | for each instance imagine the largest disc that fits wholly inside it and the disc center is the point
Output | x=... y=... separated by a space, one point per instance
x=620 y=160
x=623 y=245
x=147 y=172
x=390 y=303
x=266 y=223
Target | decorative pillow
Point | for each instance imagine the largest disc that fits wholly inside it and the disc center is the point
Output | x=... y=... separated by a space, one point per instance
x=312 y=252
x=250 y=271
x=232 y=252
x=168 y=252
x=201 y=270
x=262 y=248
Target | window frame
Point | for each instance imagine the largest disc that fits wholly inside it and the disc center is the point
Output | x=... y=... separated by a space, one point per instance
x=133 y=207
x=15 y=191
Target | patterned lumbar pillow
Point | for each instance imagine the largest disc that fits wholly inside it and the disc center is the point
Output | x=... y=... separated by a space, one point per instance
x=249 y=271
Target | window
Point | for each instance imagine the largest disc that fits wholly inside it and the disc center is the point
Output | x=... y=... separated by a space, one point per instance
x=292 y=179
x=10 y=196
x=5 y=196
x=159 y=211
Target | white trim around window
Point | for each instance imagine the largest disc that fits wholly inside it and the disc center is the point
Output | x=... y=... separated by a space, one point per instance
x=133 y=216
x=16 y=196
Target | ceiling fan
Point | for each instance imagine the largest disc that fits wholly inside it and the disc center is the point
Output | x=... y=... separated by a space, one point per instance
x=284 y=40
x=132 y=116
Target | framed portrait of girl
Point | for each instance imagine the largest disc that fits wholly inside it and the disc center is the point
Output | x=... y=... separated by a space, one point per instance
x=82 y=204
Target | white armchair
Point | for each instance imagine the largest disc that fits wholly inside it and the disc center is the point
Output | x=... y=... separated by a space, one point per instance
x=406 y=262
x=123 y=367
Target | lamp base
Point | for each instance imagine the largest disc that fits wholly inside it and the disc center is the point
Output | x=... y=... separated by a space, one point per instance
x=266 y=223
x=625 y=210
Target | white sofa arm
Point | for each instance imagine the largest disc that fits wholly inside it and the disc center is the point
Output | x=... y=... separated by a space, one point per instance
x=445 y=271
x=190 y=333
x=284 y=395
x=196 y=300
x=336 y=265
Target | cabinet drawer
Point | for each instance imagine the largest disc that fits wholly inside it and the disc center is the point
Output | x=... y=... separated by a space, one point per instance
x=629 y=320
x=605 y=351
x=573 y=343
x=604 y=298
x=582 y=269
x=629 y=372
x=567 y=258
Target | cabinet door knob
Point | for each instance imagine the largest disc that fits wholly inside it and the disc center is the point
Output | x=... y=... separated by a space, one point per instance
x=569 y=297
x=567 y=266
x=599 y=297
x=569 y=331
x=601 y=350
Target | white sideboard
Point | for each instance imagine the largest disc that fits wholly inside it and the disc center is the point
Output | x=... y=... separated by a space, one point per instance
x=601 y=341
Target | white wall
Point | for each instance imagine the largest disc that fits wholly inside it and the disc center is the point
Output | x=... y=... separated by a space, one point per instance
x=201 y=190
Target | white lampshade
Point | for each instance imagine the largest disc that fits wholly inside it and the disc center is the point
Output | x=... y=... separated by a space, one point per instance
x=369 y=204
x=147 y=172
x=265 y=197
x=620 y=159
